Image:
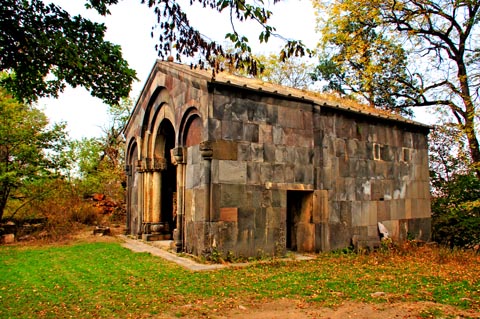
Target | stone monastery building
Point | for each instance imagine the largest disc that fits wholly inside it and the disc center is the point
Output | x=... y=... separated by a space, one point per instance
x=246 y=167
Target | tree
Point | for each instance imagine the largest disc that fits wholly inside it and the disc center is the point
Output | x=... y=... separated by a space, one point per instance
x=29 y=149
x=101 y=161
x=435 y=42
x=44 y=48
x=292 y=72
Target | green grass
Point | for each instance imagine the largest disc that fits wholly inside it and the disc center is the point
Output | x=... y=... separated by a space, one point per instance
x=104 y=280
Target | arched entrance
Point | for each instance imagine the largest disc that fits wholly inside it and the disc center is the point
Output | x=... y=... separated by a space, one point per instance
x=162 y=186
x=133 y=214
x=164 y=143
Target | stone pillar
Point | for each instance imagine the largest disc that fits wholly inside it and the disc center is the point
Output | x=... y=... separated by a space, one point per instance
x=179 y=230
x=128 y=200
x=140 y=197
x=207 y=152
x=159 y=164
x=147 y=193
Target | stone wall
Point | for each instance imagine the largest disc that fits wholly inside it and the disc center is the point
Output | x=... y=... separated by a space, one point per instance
x=374 y=172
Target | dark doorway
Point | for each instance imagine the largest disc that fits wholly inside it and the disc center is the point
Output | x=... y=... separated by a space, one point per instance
x=300 y=229
x=169 y=178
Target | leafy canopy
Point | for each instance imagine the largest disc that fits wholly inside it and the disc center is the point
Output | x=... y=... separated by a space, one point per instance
x=29 y=149
x=407 y=53
x=44 y=48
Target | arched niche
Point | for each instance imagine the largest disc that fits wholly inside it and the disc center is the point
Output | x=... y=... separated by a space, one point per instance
x=191 y=128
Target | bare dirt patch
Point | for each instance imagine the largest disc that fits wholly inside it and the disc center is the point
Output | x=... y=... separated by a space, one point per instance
x=294 y=309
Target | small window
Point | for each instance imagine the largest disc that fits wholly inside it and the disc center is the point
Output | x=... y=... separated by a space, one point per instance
x=377 y=148
x=406 y=154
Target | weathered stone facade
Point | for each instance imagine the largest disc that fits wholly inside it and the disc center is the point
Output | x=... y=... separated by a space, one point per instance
x=247 y=167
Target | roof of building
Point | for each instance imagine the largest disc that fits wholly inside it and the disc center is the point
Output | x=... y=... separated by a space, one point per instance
x=321 y=99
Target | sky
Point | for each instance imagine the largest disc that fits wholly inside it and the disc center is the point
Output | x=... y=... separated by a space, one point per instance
x=130 y=25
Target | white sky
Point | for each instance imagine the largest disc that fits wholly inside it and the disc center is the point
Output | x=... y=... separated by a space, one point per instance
x=129 y=25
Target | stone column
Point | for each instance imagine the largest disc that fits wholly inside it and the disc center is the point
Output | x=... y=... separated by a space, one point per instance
x=207 y=152
x=159 y=165
x=128 y=201
x=179 y=230
x=147 y=193
x=140 y=197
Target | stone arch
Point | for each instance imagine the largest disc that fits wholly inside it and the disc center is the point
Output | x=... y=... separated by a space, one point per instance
x=191 y=128
x=158 y=107
x=134 y=218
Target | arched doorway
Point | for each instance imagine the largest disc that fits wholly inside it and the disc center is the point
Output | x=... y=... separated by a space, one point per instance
x=164 y=143
x=133 y=214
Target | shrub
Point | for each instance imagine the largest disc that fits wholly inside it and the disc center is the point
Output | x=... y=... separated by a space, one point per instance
x=456 y=212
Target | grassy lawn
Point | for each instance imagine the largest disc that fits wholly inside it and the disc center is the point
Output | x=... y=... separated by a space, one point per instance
x=104 y=280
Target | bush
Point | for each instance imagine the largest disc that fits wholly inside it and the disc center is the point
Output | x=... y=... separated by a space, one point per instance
x=456 y=212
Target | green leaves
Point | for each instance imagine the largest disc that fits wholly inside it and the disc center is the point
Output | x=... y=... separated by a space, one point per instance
x=29 y=149
x=45 y=48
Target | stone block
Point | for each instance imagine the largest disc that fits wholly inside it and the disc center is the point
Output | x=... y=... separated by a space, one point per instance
x=372 y=231
x=251 y=132
x=257 y=113
x=346 y=213
x=340 y=236
x=244 y=152
x=232 y=172
x=229 y=214
x=199 y=204
x=225 y=150
x=289 y=173
x=272 y=114
x=269 y=153
x=239 y=110
x=194 y=176
x=253 y=174
x=246 y=218
x=290 y=117
x=266 y=172
x=372 y=213
x=408 y=208
x=265 y=134
x=225 y=235
x=320 y=206
x=278 y=173
x=233 y=195
x=257 y=152
x=302 y=156
x=308 y=120
x=281 y=154
x=363 y=189
x=383 y=210
x=214 y=129
x=420 y=228
x=278 y=135
x=276 y=217
x=246 y=242
x=261 y=218
x=340 y=147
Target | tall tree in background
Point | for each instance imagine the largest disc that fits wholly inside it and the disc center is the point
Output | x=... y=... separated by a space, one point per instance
x=29 y=149
x=100 y=160
x=431 y=51
x=293 y=72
